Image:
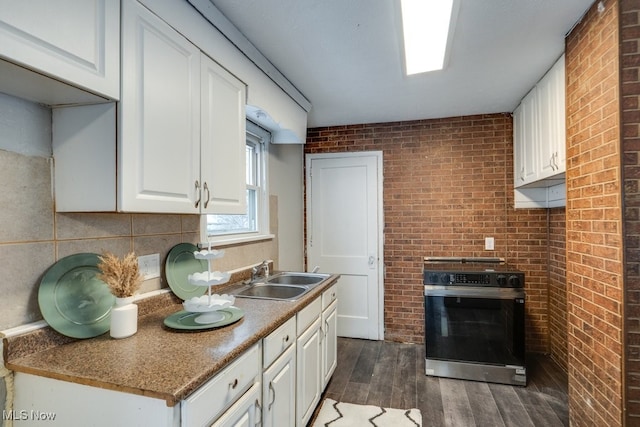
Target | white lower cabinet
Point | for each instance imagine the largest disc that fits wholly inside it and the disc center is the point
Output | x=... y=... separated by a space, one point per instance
x=309 y=360
x=245 y=412
x=279 y=391
x=329 y=342
x=308 y=380
x=208 y=402
x=316 y=353
x=279 y=376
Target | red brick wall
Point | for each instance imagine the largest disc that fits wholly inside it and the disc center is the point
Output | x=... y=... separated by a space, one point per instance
x=630 y=92
x=594 y=220
x=448 y=184
x=557 y=287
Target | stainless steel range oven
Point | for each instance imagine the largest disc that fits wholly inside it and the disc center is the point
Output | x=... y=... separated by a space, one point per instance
x=474 y=320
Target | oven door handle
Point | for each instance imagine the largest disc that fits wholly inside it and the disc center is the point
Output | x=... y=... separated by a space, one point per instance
x=473 y=292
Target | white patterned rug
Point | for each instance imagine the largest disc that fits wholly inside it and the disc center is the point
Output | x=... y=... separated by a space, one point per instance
x=340 y=414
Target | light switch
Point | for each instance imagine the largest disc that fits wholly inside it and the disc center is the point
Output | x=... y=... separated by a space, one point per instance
x=489 y=243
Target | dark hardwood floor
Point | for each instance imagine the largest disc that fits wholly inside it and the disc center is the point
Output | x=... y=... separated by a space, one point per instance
x=392 y=375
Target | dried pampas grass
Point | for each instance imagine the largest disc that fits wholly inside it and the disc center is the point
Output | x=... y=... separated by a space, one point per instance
x=121 y=275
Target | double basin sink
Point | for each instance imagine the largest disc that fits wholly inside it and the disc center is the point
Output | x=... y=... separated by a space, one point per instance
x=287 y=286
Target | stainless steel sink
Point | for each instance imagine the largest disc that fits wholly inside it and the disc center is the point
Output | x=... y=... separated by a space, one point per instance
x=289 y=278
x=272 y=291
x=282 y=286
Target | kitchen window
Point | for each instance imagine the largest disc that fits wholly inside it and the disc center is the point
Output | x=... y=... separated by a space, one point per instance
x=254 y=225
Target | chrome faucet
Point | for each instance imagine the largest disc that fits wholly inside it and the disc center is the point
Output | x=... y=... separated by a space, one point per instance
x=262 y=268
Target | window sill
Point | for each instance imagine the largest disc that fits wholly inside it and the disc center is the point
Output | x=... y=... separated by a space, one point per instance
x=232 y=240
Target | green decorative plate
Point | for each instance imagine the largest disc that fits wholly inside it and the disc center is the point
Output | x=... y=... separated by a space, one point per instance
x=179 y=265
x=73 y=300
x=186 y=320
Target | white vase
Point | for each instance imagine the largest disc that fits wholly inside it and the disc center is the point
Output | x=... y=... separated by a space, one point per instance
x=124 y=318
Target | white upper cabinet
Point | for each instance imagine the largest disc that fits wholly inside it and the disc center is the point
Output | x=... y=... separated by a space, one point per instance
x=539 y=143
x=180 y=131
x=159 y=133
x=223 y=152
x=72 y=41
x=525 y=139
x=551 y=111
x=539 y=132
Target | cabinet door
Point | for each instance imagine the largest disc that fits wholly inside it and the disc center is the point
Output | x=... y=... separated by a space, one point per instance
x=308 y=373
x=526 y=140
x=560 y=123
x=518 y=146
x=159 y=133
x=223 y=139
x=279 y=391
x=551 y=107
x=329 y=342
x=76 y=41
x=245 y=412
x=547 y=111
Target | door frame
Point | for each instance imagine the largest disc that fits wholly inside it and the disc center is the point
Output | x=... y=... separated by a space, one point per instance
x=380 y=215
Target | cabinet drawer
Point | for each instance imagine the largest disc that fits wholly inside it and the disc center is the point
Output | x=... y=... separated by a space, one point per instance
x=278 y=341
x=308 y=315
x=329 y=296
x=208 y=402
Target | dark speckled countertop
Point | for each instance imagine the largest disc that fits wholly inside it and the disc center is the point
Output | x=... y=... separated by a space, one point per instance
x=157 y=361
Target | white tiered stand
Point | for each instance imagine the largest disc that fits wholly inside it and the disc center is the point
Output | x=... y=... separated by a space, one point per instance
x=209 y=304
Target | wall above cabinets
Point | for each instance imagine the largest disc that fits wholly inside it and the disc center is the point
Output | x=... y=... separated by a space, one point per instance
x=51 y=56
x=539 y=141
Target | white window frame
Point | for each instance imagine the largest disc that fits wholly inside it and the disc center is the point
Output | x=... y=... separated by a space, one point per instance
x=261 y=138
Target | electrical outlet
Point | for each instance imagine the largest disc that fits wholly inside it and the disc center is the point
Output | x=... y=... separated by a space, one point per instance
x=149 y=266
x=489 y=244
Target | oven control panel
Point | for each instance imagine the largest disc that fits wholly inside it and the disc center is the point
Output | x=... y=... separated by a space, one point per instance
x=502 y=279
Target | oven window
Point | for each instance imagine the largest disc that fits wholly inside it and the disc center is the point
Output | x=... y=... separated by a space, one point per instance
x=475 y=330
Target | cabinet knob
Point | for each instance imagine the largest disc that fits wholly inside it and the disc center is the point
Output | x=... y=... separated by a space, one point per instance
x=233 y=384
x=286 y=339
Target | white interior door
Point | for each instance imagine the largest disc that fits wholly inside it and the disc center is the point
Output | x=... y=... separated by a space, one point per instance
x=344 y=235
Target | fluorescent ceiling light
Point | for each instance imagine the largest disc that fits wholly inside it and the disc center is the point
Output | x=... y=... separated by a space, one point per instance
x=425 y=25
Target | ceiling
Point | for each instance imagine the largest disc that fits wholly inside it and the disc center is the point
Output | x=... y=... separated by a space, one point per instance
x=345 y=56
